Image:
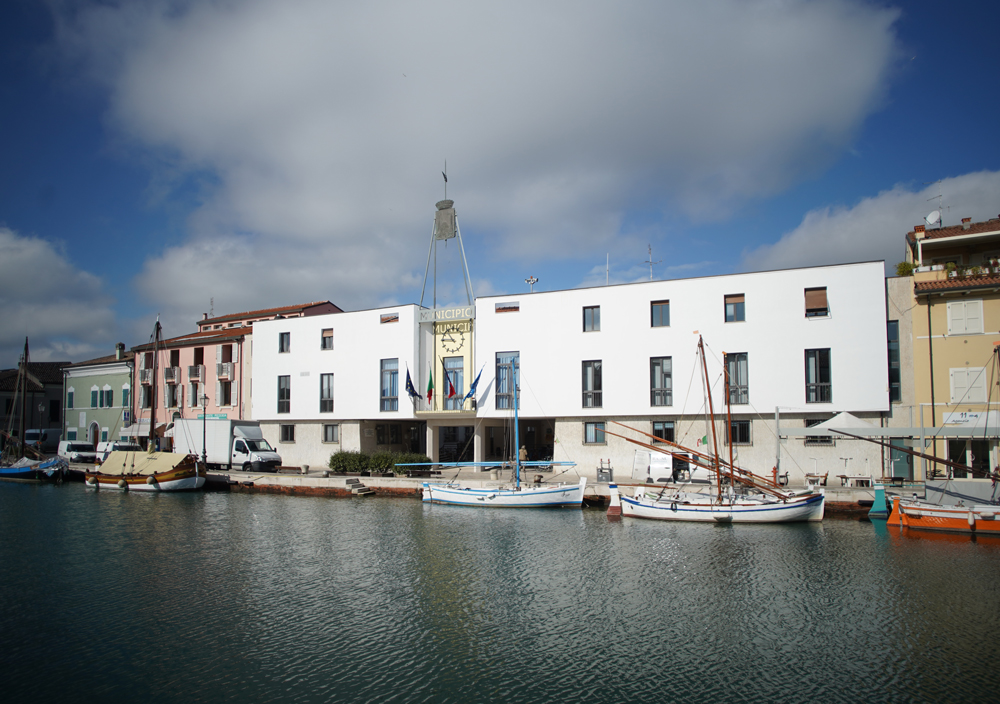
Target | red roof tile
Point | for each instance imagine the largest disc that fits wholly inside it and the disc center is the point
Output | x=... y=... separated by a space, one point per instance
x=958 y=284
x=975 y=228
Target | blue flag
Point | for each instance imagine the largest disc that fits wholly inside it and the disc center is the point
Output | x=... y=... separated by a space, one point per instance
x=409 y=386
x=472 y=389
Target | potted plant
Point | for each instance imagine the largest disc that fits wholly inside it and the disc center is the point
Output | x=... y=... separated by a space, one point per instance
x=977 y=271
x=950 y=268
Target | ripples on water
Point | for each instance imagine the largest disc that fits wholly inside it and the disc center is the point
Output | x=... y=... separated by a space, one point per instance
x=233 y=597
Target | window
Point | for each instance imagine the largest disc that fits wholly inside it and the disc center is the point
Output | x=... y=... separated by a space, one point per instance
x=146 y=397
x=664 y=430
x=816 y=306
x=818 y=386
x=326 y=339
x=661 y=385
x=660 y=314
x=735 y=310
x=508 y=373
x=199 y=356
x=55 y=412
x=170 y=396
x=227 y=354
x=284 y=342
x=94 y=393
x=331 y=433
x=817 y=439
x=69 y=399
x=739 y=433
x=109 y=398
x=195 y=395
x=736 y=368
x=71 y=434
x=454 y=380
x=592 y=384
x=593 y=434
x=395 y=434
x=591 y=318
x=284 y=394
x=968 y=385
x=287 y=433
x=390 y=385
x=125 y=396
x=895 y=392
x=326 y=393
x=175 y=358
x=380 y=434
x=104 y=434
x=225 y=393
x=965 y=317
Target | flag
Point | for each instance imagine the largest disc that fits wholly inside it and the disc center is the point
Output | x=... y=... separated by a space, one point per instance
x=472 y=389
x=445 y=176
x=430 y=384
x=703 y=441
x=409 y=386
x=448 y=385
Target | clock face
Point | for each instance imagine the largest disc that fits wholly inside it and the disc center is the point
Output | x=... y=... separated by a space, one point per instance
x=453 y=339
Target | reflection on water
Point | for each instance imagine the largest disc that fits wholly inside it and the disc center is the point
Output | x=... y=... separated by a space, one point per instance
x=219 y=597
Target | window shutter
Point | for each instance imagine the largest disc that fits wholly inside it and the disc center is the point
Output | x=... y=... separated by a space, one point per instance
x=111 y=398
x=234 y=393
x=959 y=384
x=166 y=396
x=956 y=317
x=973 y=316
x=977 y=385
x=218 y=354
x=192 y=401
x=218 y=393
x=93 y=398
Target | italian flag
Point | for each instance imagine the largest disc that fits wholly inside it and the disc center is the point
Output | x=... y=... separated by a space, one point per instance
x=430 y=384
x=702 y=441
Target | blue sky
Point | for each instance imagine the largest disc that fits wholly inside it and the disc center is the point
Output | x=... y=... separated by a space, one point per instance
x=172 y=158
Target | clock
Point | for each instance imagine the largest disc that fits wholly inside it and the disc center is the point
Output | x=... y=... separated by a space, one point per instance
x=453 y=339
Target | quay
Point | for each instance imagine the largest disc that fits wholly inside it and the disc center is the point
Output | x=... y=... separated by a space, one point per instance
x=840 y=501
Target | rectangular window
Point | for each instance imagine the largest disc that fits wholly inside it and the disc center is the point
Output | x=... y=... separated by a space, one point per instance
x=146 y=397
x=109 y=398
x=284 y=342
x=104 y=435
x=225 y=393
x=661 y=385
x=664 y=430
x=94 y=393
x=69 y=400
x=818 y=386
x=380 y=434
x=199 y=356
x=739 y=433
x=593 y=386
x=284 y=394
x=390 y=385
x=660 y=314
x=736 y=368
x=968 y=385
x=389 y=318
x=125 y=397
x=454 y=383
x=508 y=373
x=227 y=354
x=395 y=435
x=71 y=435
x=331 y=433
x=895 y=391
x=175 y=358
x=591 y=318
x=817 y=439
x=55 y=412
x=326 y=339
x=196 y=395
x=593 y=434
x=287 y=433
x=735 y=310
x=170 y=396
x=816 y=305
x=965 y=317
x=326 y=393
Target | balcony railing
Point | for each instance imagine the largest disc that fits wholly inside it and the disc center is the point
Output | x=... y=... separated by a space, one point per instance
x=145 y=376
x=224 y=370
x=196 y=373
x=171 y=374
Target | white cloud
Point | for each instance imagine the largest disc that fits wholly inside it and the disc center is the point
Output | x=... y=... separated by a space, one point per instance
x=874 y=228
x=64 y=312
x=323 y=125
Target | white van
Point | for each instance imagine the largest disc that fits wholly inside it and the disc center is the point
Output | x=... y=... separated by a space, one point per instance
x=77 y=452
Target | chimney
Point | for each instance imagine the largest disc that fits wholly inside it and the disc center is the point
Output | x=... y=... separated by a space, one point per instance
x=966 y=223
x=204 y=316
x=918 y=232
x=120 y=350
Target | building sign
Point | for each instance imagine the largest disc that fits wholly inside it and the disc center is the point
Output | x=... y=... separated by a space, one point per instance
x=445 y=314
x=213 y=416
x=975 y=420
x=509 y=307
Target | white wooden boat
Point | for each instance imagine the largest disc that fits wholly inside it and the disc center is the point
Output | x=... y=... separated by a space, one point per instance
x=522 y=496
x=678 y=505
x=147 y=471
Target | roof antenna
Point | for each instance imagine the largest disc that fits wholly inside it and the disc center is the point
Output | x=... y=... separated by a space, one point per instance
x=211 y=307
x=651 y=262
x=935 y=215
x=445 y=174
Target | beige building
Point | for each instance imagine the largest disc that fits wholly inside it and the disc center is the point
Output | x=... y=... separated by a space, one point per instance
x=956 y=330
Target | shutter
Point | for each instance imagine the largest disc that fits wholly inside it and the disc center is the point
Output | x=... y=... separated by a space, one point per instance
x=740 y=298
x=973 y=317
x=218 y=393
x=956 y=318
x=111 y=398
x=218 y=354
x=977 y=386
x=192 y=401
x=234 y=399
x=959 y=384
x=166 y=397
x=816 y=299
x=93 y=398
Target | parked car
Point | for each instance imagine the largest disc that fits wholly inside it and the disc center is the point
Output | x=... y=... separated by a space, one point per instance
x=106 y=448
x=77 y=452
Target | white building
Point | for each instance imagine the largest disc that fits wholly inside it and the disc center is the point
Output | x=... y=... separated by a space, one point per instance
x=810 y=342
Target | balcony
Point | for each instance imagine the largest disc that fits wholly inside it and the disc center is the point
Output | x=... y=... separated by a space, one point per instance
x=145 y=376
x=197 y=373
x=224 y=370
x=171 y=375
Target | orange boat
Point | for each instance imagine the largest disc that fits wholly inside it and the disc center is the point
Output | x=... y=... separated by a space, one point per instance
x=923 y=515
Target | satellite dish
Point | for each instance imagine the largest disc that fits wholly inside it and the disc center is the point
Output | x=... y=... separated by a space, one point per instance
x=933 y=218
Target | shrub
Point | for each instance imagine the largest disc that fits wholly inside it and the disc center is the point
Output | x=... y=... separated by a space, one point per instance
x=382 y=461
x=349 y=461
x=408 y=458
x=904 y=269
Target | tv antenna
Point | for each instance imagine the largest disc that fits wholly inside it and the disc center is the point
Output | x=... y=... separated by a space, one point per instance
x=934 y=217
x=651 y=262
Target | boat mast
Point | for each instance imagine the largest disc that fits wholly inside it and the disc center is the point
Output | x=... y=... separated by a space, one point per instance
x=711 y=416
x=151 y=440
x=729 y=421
x=23 y=378
x=517 y=436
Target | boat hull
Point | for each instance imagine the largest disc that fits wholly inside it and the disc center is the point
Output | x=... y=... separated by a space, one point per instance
x=561 y=496
x=153 y=472
x=49 y=471
x=804 y=508
x=921 y=515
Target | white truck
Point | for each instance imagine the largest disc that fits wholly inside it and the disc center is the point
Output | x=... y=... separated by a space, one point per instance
x=229 y=444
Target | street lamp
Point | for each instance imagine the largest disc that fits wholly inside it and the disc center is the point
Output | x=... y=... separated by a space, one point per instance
x=531 y=281
x=204 y=429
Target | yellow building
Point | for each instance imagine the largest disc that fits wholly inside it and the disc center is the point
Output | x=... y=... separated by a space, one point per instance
x=956 y=333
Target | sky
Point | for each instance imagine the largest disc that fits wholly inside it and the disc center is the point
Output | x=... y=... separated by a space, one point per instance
x=173 y=158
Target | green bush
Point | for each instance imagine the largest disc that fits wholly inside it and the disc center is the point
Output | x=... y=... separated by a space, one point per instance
x=382 y=461
x=904 y=269
x=349 y=461
x=408 y=458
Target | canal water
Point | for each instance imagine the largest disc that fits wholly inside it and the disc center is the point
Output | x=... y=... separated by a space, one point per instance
x=220 y=597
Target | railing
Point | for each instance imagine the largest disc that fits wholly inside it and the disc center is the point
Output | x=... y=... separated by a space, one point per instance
x=171 y=374
x=592 y=399
x=145 y=376
x=661 y=397
x=819 y=393
x=224 y=370
x=739 y=395
x=196 y=372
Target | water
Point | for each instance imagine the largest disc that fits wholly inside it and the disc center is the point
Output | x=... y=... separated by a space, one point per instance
x=253 y=598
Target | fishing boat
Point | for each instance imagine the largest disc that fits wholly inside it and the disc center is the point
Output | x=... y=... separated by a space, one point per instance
x=925 y=515
x=148 y=470
x=734 y=495
x=519 y=495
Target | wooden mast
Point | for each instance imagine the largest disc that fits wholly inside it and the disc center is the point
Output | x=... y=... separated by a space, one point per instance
x=711 y=416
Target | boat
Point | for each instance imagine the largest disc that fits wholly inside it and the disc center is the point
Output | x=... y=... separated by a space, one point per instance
x=16 y=464
x=148 y=470
x=519 y=495
x=918 y=514
x=735 y=495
